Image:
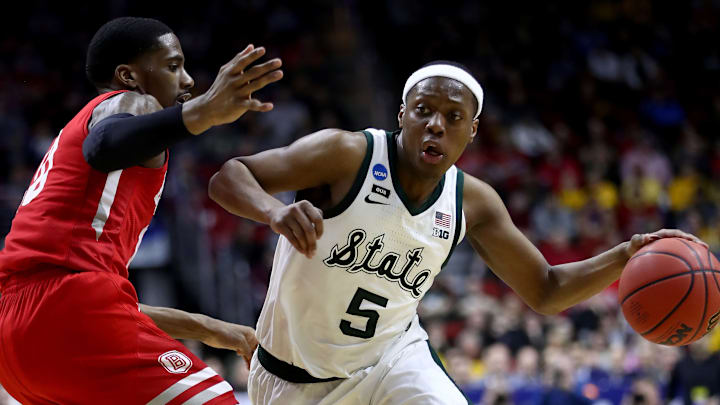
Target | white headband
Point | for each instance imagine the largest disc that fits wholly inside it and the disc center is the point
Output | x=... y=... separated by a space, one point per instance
x=449 y=71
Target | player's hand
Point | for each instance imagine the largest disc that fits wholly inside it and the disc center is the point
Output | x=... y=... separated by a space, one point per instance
x=301 y=223
x=230 y=96
x=642 y=239
x=225 y=335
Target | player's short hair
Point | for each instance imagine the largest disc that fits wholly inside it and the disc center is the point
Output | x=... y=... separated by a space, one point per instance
x=449 y=62
x=119 y=41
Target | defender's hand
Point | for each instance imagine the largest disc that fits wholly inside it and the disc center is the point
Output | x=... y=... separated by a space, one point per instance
x=301 y=223
x=640 y=240
x=230 y=96
x=226 y=335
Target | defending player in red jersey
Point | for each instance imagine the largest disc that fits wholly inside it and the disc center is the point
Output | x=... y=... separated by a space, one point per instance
x=71 y=329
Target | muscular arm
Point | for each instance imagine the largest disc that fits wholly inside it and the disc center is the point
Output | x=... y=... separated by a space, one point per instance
x=244 y=185
x=513 y=258
x=213 y=332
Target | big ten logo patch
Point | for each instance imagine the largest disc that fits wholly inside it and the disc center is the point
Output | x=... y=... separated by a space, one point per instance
x=175 y=362
x=440 y=233
x=379 y=172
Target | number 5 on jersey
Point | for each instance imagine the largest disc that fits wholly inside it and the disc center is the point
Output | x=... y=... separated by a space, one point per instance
x=371 y=315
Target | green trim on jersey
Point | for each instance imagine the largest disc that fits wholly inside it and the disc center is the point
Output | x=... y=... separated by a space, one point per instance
x=392 y=158
x=436 y=358
x=357 y=185
x=459 y=183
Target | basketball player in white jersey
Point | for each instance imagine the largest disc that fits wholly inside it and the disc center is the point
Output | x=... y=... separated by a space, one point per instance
x=377 y=215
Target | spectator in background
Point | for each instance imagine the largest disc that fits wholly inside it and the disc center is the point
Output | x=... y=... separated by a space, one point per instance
x=496 y=379
x=560 y=380
x=550 y=218
x=526 y=380
x=644 y=391
x=645 y=161
x=696 y=376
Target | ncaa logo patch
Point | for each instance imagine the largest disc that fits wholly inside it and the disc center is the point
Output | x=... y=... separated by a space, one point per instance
x=379 y=172
x=175 y=362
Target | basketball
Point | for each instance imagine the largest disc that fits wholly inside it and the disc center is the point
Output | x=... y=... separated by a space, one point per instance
x=669 y=291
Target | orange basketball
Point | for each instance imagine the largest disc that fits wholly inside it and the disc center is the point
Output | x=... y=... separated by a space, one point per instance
x=670 y=291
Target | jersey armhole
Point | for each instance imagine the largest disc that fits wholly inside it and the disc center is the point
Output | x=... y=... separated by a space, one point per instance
x=459 y=217
x=357 y=184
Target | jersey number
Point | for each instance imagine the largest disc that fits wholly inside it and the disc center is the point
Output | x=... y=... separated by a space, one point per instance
x=38 y=181
x=372 y=316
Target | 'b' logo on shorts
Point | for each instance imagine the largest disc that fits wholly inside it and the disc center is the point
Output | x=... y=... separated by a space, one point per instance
x=175 y=362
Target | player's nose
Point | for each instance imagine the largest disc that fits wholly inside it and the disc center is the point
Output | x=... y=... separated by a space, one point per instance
x=436 y=124
x=186 y=81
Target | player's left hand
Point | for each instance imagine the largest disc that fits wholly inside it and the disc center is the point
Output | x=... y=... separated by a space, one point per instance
x=642 y=239
x=230 y=336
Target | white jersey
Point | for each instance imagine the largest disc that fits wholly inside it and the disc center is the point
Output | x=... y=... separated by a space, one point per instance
x=339 y=311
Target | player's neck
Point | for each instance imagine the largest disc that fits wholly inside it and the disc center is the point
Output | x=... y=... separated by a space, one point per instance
x=417 y=186
x=112 y=86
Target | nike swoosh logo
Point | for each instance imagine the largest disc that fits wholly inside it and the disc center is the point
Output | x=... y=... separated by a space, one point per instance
x=369 y=201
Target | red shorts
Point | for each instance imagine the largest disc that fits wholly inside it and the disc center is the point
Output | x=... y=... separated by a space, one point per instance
x=79 y=338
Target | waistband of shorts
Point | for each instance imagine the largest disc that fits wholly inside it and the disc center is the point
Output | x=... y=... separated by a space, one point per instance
x=287 y=371
x=16 y=281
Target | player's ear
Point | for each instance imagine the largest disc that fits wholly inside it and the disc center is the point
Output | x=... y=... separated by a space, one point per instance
x=473 y=130
x=400 y=115
x=126 y=76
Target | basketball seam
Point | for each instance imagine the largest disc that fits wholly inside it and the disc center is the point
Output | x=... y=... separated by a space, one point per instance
x=697 y=256
x=644 y=286
x=662 y=279
x=713 y=271
x=662 y=253
x=702 y=318
x=669 y=314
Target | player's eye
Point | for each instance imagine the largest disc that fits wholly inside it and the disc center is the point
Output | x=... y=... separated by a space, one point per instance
x=422 y=109
x=456 y=116
x=173 y=67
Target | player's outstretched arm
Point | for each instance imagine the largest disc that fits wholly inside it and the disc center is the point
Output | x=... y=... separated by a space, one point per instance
x=512 y=257
x=133 y=129
x=213 y=332
x=244 y=185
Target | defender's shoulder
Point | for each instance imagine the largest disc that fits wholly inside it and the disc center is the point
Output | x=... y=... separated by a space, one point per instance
x=128 y=102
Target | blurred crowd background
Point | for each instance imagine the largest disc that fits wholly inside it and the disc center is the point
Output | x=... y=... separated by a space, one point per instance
x=601 y=120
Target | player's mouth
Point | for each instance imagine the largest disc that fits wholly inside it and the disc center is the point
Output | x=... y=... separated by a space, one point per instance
x=432 y=153
x=183 y=98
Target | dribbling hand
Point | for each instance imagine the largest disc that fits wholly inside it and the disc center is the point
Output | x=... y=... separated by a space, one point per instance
x=301 y=223
x=640 y=240
x=230 y=96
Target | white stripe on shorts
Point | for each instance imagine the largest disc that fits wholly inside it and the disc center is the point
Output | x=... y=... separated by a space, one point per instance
x=208 y=394
x=182 y=386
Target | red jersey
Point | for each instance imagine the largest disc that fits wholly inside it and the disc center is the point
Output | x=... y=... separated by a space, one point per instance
x=79 y=218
